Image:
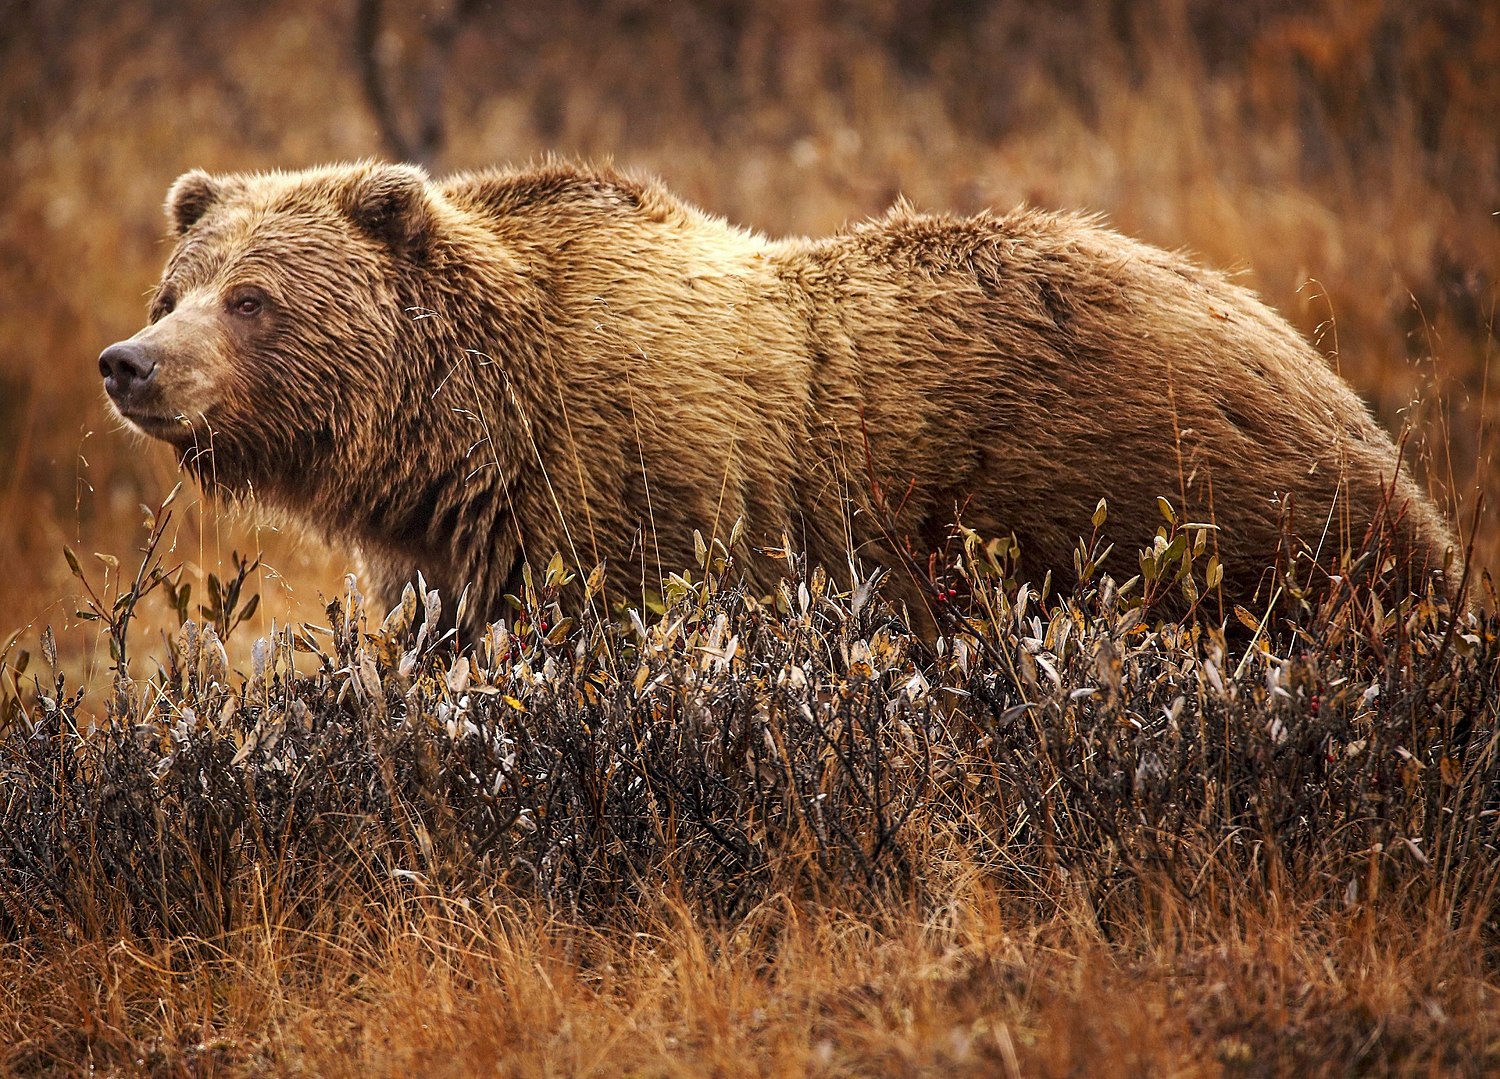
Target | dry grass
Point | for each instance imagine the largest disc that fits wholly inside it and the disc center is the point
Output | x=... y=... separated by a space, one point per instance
x=1006 y=906
x=744 y=838
x=431 y=990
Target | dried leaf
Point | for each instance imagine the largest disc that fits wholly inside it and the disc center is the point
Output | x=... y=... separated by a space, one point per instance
x=458 y=676
x=595 y=581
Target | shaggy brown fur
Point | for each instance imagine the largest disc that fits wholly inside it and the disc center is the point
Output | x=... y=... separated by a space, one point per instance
x=456 y=376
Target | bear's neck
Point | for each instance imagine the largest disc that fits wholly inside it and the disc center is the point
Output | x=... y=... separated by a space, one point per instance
x=433 y=483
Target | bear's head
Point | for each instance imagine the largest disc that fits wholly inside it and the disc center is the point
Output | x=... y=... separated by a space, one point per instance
x=275 y=333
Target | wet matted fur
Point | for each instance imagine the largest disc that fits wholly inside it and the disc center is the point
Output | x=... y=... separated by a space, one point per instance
x=456 y=375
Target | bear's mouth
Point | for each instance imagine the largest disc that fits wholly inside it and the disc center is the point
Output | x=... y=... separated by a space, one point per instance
x=167 y=427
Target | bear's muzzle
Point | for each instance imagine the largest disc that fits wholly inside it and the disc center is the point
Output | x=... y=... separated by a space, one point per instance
x=127 y=369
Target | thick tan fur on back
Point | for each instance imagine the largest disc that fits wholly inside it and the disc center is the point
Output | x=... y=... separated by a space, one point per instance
x=456 y=375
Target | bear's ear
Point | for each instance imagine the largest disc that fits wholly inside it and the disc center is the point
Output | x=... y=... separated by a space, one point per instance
x=391 y=203
x=190 y=197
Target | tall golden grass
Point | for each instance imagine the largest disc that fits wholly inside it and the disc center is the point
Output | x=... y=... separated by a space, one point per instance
x=427 y=989
x=1063 y=843
x=1342 y=154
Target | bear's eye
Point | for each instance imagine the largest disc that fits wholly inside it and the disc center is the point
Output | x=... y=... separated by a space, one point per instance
x=246 y=304
x=165 y=304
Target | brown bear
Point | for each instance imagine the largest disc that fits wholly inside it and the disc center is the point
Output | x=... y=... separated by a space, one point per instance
x=458 y=376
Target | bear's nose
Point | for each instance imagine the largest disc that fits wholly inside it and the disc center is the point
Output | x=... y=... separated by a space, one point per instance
x=125 y=366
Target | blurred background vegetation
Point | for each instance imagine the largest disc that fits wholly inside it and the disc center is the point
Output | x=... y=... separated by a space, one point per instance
x=1344 y=155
